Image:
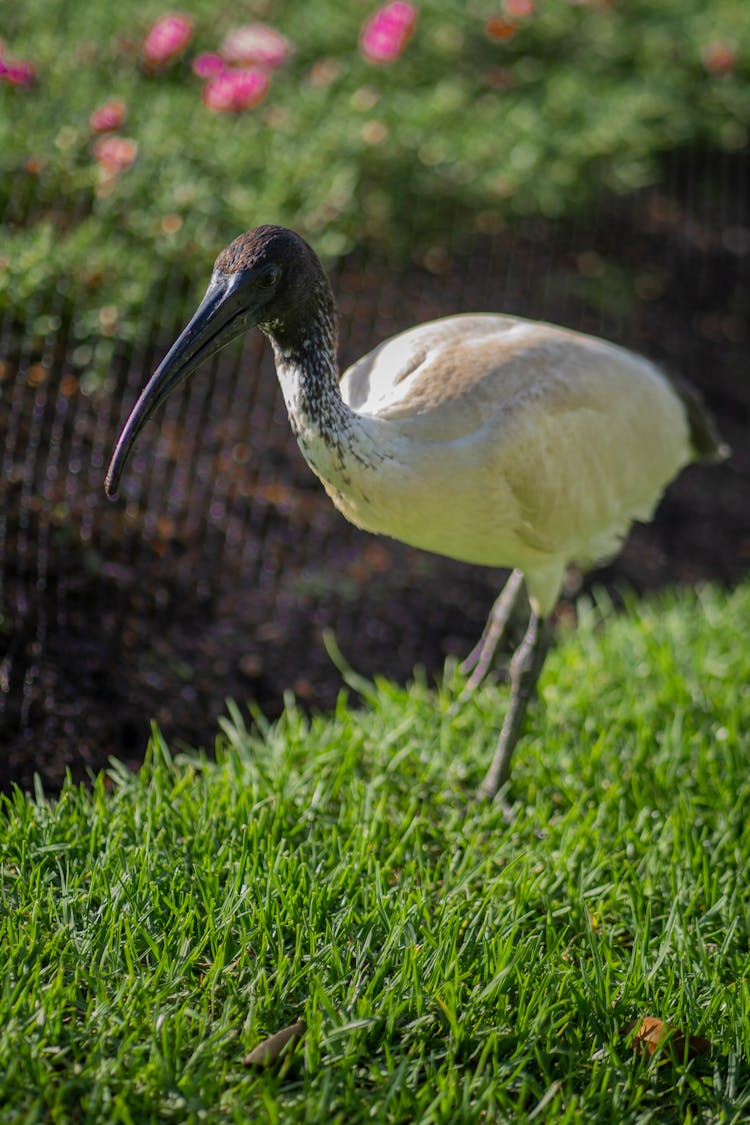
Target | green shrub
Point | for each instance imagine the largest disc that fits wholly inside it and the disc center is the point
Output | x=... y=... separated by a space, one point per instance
x=464 y=129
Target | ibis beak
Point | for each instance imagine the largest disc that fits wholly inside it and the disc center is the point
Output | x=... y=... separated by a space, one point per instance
x=222 y=315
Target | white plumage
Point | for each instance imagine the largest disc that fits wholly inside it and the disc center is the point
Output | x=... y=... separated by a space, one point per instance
x=506 y=442
x=490 y=439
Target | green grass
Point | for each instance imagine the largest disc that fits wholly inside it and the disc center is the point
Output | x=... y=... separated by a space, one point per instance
x=450 y=967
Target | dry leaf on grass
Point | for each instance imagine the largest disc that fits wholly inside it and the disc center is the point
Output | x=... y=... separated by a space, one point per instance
x=650 y=1034
x=269 y=1050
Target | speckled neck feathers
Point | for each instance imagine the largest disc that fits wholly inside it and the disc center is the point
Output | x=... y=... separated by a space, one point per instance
x=308 y=373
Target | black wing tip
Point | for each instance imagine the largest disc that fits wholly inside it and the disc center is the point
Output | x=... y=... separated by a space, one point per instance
x=705 y=439
x=722 y=452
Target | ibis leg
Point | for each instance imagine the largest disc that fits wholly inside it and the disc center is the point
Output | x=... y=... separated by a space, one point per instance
x=480 y=657
x=525 y=667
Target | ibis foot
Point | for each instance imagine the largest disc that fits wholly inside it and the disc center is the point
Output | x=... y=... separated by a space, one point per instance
x=525 y=668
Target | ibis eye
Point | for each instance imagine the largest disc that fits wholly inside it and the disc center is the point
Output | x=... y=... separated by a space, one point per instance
x=269 y=279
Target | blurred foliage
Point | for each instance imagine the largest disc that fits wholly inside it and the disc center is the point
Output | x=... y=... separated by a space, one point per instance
x=465 y=130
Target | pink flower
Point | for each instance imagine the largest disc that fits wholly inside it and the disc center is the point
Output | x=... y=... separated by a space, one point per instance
x=235 y=90
x=168 y=37
x=720 y=58
x=114 y=154
x=387 y=32
x=256 y=43
x=206 y=66
x=109 y=116
x=498 y=28
x=17 y=72
x=519 y=9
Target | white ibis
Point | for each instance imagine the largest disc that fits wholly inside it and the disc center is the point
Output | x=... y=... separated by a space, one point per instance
x=490 y=439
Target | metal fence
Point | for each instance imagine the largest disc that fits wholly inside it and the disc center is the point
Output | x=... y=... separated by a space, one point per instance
x=223 y=562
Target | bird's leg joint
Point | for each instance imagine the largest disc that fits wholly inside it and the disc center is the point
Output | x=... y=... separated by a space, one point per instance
x=524 y=668
x=528 y=658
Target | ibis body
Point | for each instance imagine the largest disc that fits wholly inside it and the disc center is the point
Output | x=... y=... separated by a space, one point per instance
x=503 y=442
x=488 y=438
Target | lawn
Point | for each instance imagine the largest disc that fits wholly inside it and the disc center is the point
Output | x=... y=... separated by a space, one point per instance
x=450 y=966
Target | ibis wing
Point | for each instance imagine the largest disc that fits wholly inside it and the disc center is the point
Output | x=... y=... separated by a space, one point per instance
x=449 y=373
x=449 y=378
x=582 y=434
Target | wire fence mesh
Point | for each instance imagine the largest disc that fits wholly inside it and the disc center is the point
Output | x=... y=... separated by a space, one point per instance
x=217 y=571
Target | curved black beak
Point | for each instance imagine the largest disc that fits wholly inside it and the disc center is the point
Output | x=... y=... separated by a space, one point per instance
x=221 y=316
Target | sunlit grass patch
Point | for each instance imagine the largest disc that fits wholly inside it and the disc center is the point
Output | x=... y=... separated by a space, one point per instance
x=449 y=966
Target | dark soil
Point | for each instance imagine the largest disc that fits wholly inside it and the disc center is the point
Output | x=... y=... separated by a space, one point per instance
x=218 y=571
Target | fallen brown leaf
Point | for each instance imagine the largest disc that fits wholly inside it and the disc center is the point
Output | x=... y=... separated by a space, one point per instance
x=269 y=1050
x=650 y=1034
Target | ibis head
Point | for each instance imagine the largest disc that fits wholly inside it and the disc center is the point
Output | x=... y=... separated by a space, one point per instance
x=268 y=277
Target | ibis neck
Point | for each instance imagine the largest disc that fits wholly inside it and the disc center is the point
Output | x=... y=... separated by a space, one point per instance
x=308 y=373
x=335 y=441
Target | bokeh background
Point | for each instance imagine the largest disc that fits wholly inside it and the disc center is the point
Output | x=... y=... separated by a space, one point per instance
x=580 y=161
